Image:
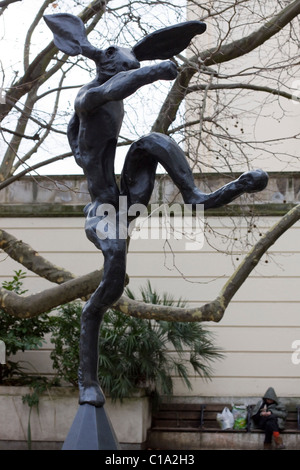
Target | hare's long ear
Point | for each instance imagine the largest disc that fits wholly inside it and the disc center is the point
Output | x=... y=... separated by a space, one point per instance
x=70 y=35
x=167 y=42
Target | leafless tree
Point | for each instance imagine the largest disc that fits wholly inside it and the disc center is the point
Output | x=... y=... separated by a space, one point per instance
x=248 y=63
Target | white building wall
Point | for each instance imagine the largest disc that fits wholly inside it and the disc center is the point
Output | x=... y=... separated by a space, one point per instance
x=264 y=125
x=259 y=327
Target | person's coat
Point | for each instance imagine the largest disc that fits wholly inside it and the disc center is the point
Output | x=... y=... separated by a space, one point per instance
x=276 y=408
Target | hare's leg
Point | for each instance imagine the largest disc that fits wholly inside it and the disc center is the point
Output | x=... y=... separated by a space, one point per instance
x=138 y=175
x=164 y=150
x=108 y=292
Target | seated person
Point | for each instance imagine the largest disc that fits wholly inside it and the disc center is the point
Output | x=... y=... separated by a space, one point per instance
x=269 y=415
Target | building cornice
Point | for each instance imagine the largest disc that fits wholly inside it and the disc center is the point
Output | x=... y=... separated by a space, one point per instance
x=66 y=195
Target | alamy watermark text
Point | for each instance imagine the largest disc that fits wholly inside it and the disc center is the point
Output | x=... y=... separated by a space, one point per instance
x=157 y=222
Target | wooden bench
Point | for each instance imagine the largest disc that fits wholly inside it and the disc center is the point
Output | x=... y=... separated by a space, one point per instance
x=178 y=417
x=188 y=417
x=210 y=423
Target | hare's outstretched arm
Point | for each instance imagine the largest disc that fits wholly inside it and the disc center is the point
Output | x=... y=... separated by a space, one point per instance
x=123 y=85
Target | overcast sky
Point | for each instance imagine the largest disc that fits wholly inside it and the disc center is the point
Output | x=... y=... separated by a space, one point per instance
x=13 y=27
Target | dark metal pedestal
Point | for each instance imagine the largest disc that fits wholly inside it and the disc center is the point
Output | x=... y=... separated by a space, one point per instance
x=91 y=430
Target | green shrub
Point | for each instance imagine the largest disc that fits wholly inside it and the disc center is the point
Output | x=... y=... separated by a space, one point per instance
x=134 y=352
x=20 y=334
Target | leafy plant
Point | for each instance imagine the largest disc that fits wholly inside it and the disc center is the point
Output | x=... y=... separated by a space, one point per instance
x=65 y=337
x=20 y=334
x=135 y=352
x=38 y=387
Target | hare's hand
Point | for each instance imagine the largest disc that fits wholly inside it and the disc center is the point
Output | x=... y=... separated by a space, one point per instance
x=167 y=70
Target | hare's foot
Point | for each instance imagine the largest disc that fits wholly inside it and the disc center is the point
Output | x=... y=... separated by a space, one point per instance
x=91 y=394
x=254 y=181
x=249 y=182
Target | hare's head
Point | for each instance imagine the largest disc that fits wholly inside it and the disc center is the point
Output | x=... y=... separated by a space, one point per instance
x=70 y=37
x=115 y=59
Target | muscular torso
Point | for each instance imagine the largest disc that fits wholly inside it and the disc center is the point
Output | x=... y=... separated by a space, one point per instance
x=94 y=130
x=94 y=133
x=99 y=127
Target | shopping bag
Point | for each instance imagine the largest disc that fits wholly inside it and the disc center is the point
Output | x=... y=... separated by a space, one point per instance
x=225 y=419
x=240 y=416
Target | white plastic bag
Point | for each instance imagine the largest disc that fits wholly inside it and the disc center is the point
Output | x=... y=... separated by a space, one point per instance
x=225 y=419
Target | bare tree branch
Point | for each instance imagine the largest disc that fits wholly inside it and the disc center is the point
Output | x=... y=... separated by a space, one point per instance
x=30 y=31
x=33 y=305
x=16 y=177
x=23 y=136
x=46 y=133
x=245 y=86
x=31 y=259
x=69 y=287
x=214 y=56
x=5 y=3
x=11 y=153
x=36 y=70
